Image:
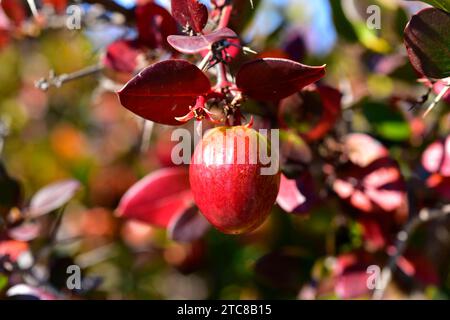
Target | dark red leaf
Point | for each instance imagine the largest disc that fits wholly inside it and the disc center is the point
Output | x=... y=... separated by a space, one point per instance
x=272 y=79
x=121 y=56
x=164 y=91
x=154 y=24
x=313 y=112
x=427 y=38
x=159 y=197
x=418 y=266
x=379 y=187
x=188 y=226
x=190 y=13
x=331 y=102
x=196 y=44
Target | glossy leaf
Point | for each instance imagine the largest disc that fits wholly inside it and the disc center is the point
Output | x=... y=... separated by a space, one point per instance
x=154 y=25
x=196 y=44
x=190 y=13
x=158 y=197
x=427 y=38
x=52 y=197
x=272 y=79
x=164 y=91
x=188 y=226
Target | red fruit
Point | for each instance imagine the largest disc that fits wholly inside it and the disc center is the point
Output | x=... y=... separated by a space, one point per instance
x=227 y=185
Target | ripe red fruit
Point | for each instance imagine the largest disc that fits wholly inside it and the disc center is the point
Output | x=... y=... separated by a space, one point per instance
x=233 y=194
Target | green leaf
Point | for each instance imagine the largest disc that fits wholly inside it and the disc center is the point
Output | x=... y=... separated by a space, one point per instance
x=387 y=122
x=3 y=281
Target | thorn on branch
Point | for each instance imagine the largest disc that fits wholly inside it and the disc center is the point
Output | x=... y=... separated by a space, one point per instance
x=57 y=81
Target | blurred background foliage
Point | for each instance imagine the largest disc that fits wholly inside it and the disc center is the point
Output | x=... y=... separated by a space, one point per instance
x=80 y=131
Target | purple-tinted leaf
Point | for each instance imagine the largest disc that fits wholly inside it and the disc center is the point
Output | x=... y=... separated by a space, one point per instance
x=164 y=91
x=362 y=149
x=52 y=197
x=272 y=79
x=378 y=187
x=196 y=44
x=188 y=226
x=352 y=284
x=154 y=25
x=427 y=39
x=158 y=197
x=296 y=195
x=190 y=13
x=25 y=232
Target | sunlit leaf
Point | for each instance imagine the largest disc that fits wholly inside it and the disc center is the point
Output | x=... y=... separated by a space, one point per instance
x=272 y=79
x=158 y=197
x=52 y=197
x=191 y=13
x=164 y=91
